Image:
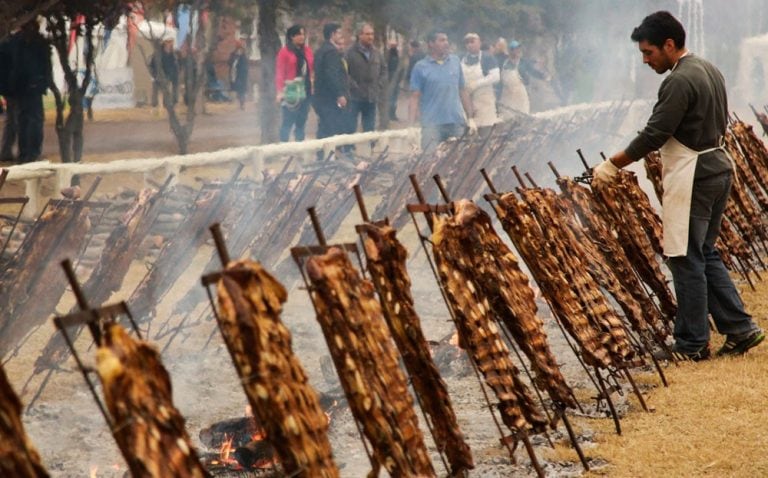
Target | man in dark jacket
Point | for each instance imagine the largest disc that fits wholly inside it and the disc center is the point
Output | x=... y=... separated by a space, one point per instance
x=367 y=79
x=394 y=76
x=30 y=78
x=238 y=73
x=11 y=128
x=331 y=83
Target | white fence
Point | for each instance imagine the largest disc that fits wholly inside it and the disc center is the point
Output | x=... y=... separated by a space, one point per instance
x=257 y=157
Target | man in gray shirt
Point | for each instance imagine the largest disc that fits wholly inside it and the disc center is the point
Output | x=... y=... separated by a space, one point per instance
x=687 y=126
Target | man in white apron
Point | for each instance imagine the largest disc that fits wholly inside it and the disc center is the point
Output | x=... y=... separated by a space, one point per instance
x=687 y=126
x=513 y=98
x=481 y=74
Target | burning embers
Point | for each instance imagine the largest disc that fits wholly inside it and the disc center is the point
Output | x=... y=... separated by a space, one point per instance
x=240 y=446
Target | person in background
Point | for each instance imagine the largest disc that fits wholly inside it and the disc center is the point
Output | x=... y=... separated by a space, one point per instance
x=415 y=53
x=500 y=50
x=439 y=100
x=687 y=126
x=331 y=96
x=30 y=78
x=188 y=71
x=238 y=72
x=513 y=96
x=11 y=127
x=394 y=76
x=481 y=74
x=367 y=79
x=169 y=65
x=215 y=89
x=294 y=69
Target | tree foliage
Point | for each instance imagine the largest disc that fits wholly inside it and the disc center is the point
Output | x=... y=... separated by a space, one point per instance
x=80 y=17
x=14 y=14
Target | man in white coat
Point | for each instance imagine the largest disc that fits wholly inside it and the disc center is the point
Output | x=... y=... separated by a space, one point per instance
x=687 y=127
x=481 y=74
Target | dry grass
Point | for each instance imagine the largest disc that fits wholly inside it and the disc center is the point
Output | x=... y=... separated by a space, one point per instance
x=711 y=421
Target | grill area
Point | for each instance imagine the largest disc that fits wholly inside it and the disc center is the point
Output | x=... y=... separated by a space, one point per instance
x=150 y=248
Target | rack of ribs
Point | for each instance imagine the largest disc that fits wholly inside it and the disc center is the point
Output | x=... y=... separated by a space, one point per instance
x=639 y=246
x=386 y=262
x=518 y=220
x=18 y=456
x=478 y=332
x=284 y=403
x=146 y=425
x=32 y=284
x=607 y=261
x=570 y=255
x=367 y=363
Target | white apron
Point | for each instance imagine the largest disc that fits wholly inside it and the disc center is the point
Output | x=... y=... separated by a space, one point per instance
x=678 y=166
x=483 y=98
x=514 y=97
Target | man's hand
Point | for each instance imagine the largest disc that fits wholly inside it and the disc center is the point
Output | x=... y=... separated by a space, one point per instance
x=279 y=98
x=471 y=126
x=341 y=101
x=605 y=172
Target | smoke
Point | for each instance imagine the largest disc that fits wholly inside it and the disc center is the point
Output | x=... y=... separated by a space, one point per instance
x=597 y=61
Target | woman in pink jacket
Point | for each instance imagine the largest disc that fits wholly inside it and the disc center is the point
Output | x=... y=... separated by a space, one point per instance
x=294 y=69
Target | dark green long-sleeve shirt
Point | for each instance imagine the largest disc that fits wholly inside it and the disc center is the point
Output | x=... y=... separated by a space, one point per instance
x=693 y=107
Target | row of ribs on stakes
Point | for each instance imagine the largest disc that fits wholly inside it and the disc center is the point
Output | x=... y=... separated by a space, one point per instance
x=59 y=231
x=62 y=230
x=590 y=251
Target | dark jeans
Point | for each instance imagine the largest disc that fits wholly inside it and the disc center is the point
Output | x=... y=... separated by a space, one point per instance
x=702 y=283
x=431 y=136
x=332 y=120
x=10 y=130
x=393 y=102
x=366 y=110
x=31 y=118
x=294 y=118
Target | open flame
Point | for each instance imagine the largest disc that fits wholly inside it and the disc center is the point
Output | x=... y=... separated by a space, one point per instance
x=225 y=452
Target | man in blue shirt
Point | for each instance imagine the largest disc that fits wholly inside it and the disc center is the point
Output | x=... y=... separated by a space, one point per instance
x=438 y=97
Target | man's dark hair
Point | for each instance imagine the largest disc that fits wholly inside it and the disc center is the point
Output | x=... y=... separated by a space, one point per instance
x=415 y=44
x=432 y=36
x=657 y=27
x=328 y=30
x=292 y=31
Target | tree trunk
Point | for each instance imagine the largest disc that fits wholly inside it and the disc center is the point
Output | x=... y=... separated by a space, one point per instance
x=71 y=137
x=269 y=44
x=193 y=65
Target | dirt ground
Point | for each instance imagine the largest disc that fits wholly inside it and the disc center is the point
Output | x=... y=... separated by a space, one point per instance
x=145 y=132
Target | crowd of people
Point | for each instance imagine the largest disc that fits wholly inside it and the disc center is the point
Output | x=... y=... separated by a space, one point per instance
x=448 y=96
x=351 y=84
